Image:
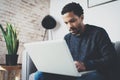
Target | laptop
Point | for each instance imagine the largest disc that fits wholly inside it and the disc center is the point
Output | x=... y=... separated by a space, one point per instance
x=53 y=56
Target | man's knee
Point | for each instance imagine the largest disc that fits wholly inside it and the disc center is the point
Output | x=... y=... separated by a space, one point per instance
x=36 y=76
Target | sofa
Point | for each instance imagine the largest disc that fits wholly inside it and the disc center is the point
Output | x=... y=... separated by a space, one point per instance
x=28 y=66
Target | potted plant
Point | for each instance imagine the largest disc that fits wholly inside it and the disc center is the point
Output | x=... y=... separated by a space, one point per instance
x=12 y=43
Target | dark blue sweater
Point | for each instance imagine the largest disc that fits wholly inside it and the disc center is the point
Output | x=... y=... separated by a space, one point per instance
x=94 y=48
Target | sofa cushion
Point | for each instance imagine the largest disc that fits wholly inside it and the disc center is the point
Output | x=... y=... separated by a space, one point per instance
x=117 y=47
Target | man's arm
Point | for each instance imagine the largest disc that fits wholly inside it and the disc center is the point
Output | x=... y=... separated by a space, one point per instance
x=106 y=49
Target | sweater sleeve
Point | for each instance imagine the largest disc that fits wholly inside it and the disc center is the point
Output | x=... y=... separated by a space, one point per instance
x=107 y=51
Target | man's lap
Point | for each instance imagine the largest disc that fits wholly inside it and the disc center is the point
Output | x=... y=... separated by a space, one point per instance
x=91 y=76
x=46 y=76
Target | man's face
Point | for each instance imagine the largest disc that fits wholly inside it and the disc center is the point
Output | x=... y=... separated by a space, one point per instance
x=74 y=22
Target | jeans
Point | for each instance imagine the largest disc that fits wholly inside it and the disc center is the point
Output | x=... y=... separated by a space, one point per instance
x=46 y=76
x=38 y=75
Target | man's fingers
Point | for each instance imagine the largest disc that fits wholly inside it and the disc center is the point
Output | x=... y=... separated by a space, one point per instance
x=80 y=66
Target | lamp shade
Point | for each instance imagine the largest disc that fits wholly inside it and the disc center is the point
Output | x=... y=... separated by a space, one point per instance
x=48 y=22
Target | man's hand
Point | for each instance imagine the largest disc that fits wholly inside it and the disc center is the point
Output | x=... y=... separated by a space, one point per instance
x=80 y=66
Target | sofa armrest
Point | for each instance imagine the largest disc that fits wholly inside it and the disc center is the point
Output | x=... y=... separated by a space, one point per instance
x=28 y=66
x=117 y=47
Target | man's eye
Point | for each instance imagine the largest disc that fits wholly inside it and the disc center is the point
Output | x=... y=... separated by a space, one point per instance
x=73 y=20
x=65 y=22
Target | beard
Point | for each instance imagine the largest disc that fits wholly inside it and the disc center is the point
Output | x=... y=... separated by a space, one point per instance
x=75 y=31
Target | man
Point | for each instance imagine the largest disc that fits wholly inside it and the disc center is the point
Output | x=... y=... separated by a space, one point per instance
x=90 y=46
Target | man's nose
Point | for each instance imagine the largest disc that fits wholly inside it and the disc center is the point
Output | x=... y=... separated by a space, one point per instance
x=69 y=25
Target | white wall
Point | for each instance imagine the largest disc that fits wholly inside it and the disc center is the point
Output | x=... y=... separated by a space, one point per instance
x=106 y=16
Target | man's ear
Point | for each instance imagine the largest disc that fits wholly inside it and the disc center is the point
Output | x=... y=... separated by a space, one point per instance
x=82 y=16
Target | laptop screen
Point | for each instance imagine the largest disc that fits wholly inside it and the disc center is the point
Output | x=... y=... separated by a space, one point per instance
x=52 y=57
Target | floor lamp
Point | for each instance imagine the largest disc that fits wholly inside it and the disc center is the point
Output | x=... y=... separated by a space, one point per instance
x=48 y=23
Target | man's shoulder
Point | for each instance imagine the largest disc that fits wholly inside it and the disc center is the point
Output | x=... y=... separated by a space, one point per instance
x=94 y=28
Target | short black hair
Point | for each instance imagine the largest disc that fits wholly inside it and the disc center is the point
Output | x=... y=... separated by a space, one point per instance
x=73 y=7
